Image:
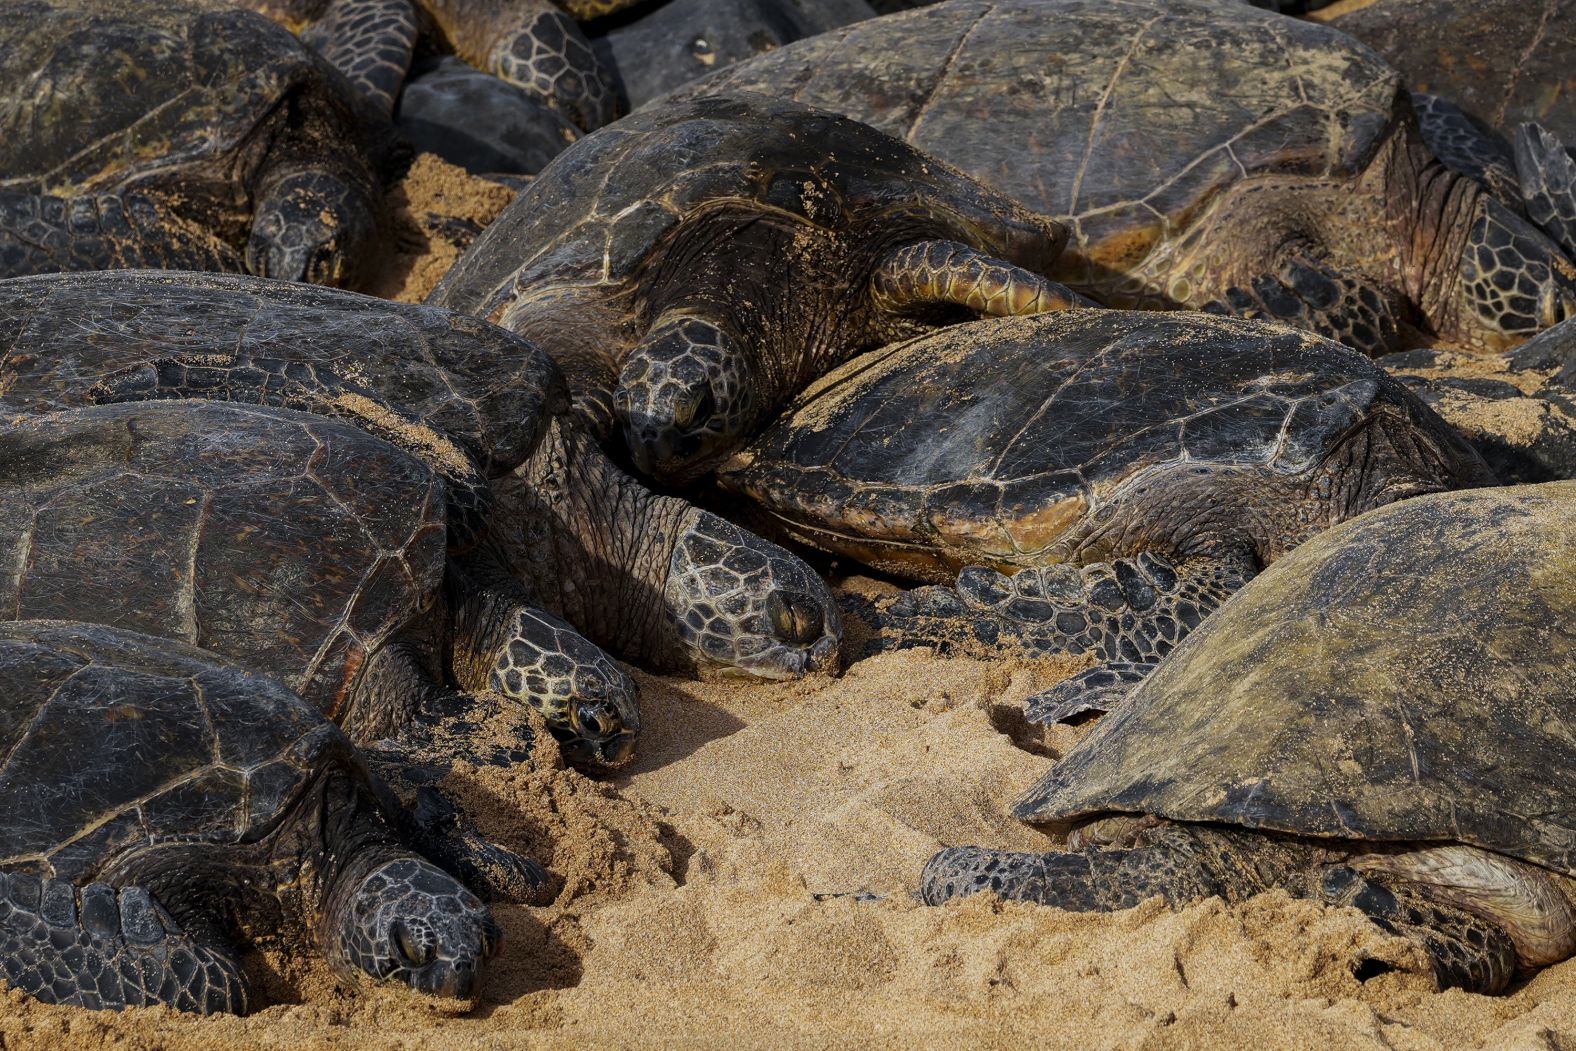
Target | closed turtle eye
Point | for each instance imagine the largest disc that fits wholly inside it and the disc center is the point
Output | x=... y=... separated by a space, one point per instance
x=696 y=410
x=795 y=618
x=412 y=950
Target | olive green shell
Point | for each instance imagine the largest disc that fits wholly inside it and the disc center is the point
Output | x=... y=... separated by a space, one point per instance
x=61 y=334
x=294 y=545
x=1124 y=118
x=1404 y=676
x=109 y=735
x=988 y=442
x=595 y=217
x=102 y=96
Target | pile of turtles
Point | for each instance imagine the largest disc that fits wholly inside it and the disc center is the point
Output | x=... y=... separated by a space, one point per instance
x=1077 y=317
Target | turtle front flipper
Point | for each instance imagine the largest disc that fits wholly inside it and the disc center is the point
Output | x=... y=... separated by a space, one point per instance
x=1130 y=610
x=920 y=277
x=98 y=950
x=1548 y=184
x=257 y=380
x=370 y=42
x=533 y=44
x=1467 y=147
x=1307 y=294
x=41 y=234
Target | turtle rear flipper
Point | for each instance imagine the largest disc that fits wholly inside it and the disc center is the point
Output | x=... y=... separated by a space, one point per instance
x=41 y=234
x=1093 y=691
x=1131 y=610
x=95 y=950
x=257 y=380
x=1307 y=294
x=1548 y=184
x=370 y=42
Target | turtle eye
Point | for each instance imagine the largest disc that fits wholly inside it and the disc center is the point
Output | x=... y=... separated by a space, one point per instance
x=795 y=618
x=695 y=411
x=414 y=951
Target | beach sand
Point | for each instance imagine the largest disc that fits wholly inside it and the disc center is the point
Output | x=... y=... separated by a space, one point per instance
x=705 y=899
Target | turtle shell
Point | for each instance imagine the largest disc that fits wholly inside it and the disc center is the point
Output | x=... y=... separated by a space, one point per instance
x=599 y=212
x=116 y=742
x=1124 y=118
x=1502 y=61
x=1404 y=676
x=60 y=334
x=292 y=544
x=989 y=442
x=100 y=96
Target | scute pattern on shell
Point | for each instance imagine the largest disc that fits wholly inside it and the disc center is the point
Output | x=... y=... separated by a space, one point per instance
x=146 y=733
x=1403 y=677
x=146 y=514
x=61 y=334
x=990 y=441
x=1095 y=93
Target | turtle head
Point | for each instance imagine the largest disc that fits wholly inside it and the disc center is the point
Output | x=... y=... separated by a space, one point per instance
x=1513 y=282
x=408 y=921
x=591 y=707
x=310 y=226
x=686 y=398
x=743 y=606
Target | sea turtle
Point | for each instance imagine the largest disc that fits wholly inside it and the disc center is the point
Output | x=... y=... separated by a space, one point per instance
x=168 y=807
x=709 y=258
x=1382 y=719
x=1131 y=470
x=304 y=549
x=653 y=578
x=685 y=39
x=1202 y=153
x=177 y=133
x=532 y=44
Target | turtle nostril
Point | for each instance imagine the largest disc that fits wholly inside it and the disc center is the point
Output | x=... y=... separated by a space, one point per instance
x=795 y=618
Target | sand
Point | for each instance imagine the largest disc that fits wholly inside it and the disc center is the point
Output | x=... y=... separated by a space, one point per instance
x=705 y=894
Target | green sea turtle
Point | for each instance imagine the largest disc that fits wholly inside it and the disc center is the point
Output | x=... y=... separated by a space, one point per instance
x=1202 y=153
x=532 y=44
x=694 y=265
x=177 y=133
x=477 y=121
x=1382 y=719
x=167 y=807
x=306 y=550
x=660 y=582
x=1130 y=469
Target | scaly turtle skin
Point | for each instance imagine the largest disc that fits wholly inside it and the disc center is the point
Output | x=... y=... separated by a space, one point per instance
x=694 y=265
x=169 y=806
x=176 y=133
x=529 y=43
x=685 y=39
x=1131 y=469
x=657 y=580
x=1202 y=153
x=1382 y=719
